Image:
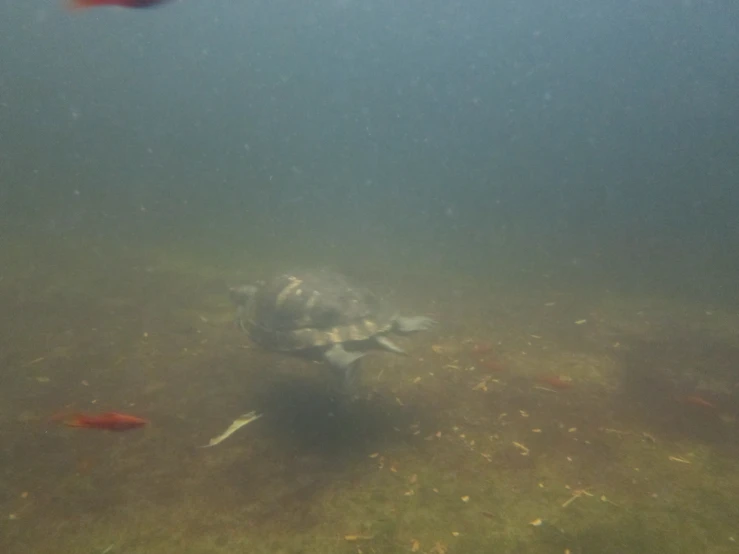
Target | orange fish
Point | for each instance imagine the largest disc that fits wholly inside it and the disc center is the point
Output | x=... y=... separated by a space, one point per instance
x=555 y=382
x=697 y=401
x=122 y=3
x=109 y=421
x=482 y=348
x=491 y=365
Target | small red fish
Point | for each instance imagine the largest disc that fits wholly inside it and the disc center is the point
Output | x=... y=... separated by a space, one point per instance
x=109 y=421
x=697 y=401
x=77 y=4
x=491 y=364
x=482 y=348
x=555 y=382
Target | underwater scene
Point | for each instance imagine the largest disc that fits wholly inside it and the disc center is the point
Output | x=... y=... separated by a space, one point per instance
x=342 y=277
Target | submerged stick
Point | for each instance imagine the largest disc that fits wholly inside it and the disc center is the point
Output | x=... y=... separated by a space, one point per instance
x=235 y=426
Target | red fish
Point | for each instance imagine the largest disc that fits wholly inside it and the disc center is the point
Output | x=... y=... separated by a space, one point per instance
x=555 y=381
x=697 y=401
x=109 y=421
x=491 y=365
x=482 y=348
x=122 y=3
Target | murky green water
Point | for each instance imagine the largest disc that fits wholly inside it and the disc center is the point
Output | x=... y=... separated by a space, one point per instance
x=465 y=446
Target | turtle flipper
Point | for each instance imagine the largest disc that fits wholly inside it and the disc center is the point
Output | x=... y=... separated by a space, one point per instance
x=413 y=324
x=342 y=359
x=389 y=345
x=346 y=362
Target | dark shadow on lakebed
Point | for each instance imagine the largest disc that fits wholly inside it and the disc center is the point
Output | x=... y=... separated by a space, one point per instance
x=314 y=415
x=682 y=383
x=313 y=441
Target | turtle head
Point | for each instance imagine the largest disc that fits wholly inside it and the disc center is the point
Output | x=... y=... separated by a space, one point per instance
x=243 y=298
x=242 y=295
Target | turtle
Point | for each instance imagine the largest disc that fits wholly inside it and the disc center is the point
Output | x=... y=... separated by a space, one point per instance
x=321 y=311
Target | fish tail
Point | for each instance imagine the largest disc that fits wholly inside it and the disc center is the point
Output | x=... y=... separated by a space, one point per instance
x=59 y=416
x=81 y=4
x=67 y=418
x=76 y=420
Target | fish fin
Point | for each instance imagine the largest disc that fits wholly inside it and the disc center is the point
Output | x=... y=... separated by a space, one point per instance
x=81 y=4
x=70 y=419
x=125 y=417
x=61 y=416
x=75 y=420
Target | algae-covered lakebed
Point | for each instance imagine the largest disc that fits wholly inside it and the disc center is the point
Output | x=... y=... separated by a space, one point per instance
x=539 y=416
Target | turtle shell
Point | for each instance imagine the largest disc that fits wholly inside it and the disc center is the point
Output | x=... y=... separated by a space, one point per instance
x=310 y=309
